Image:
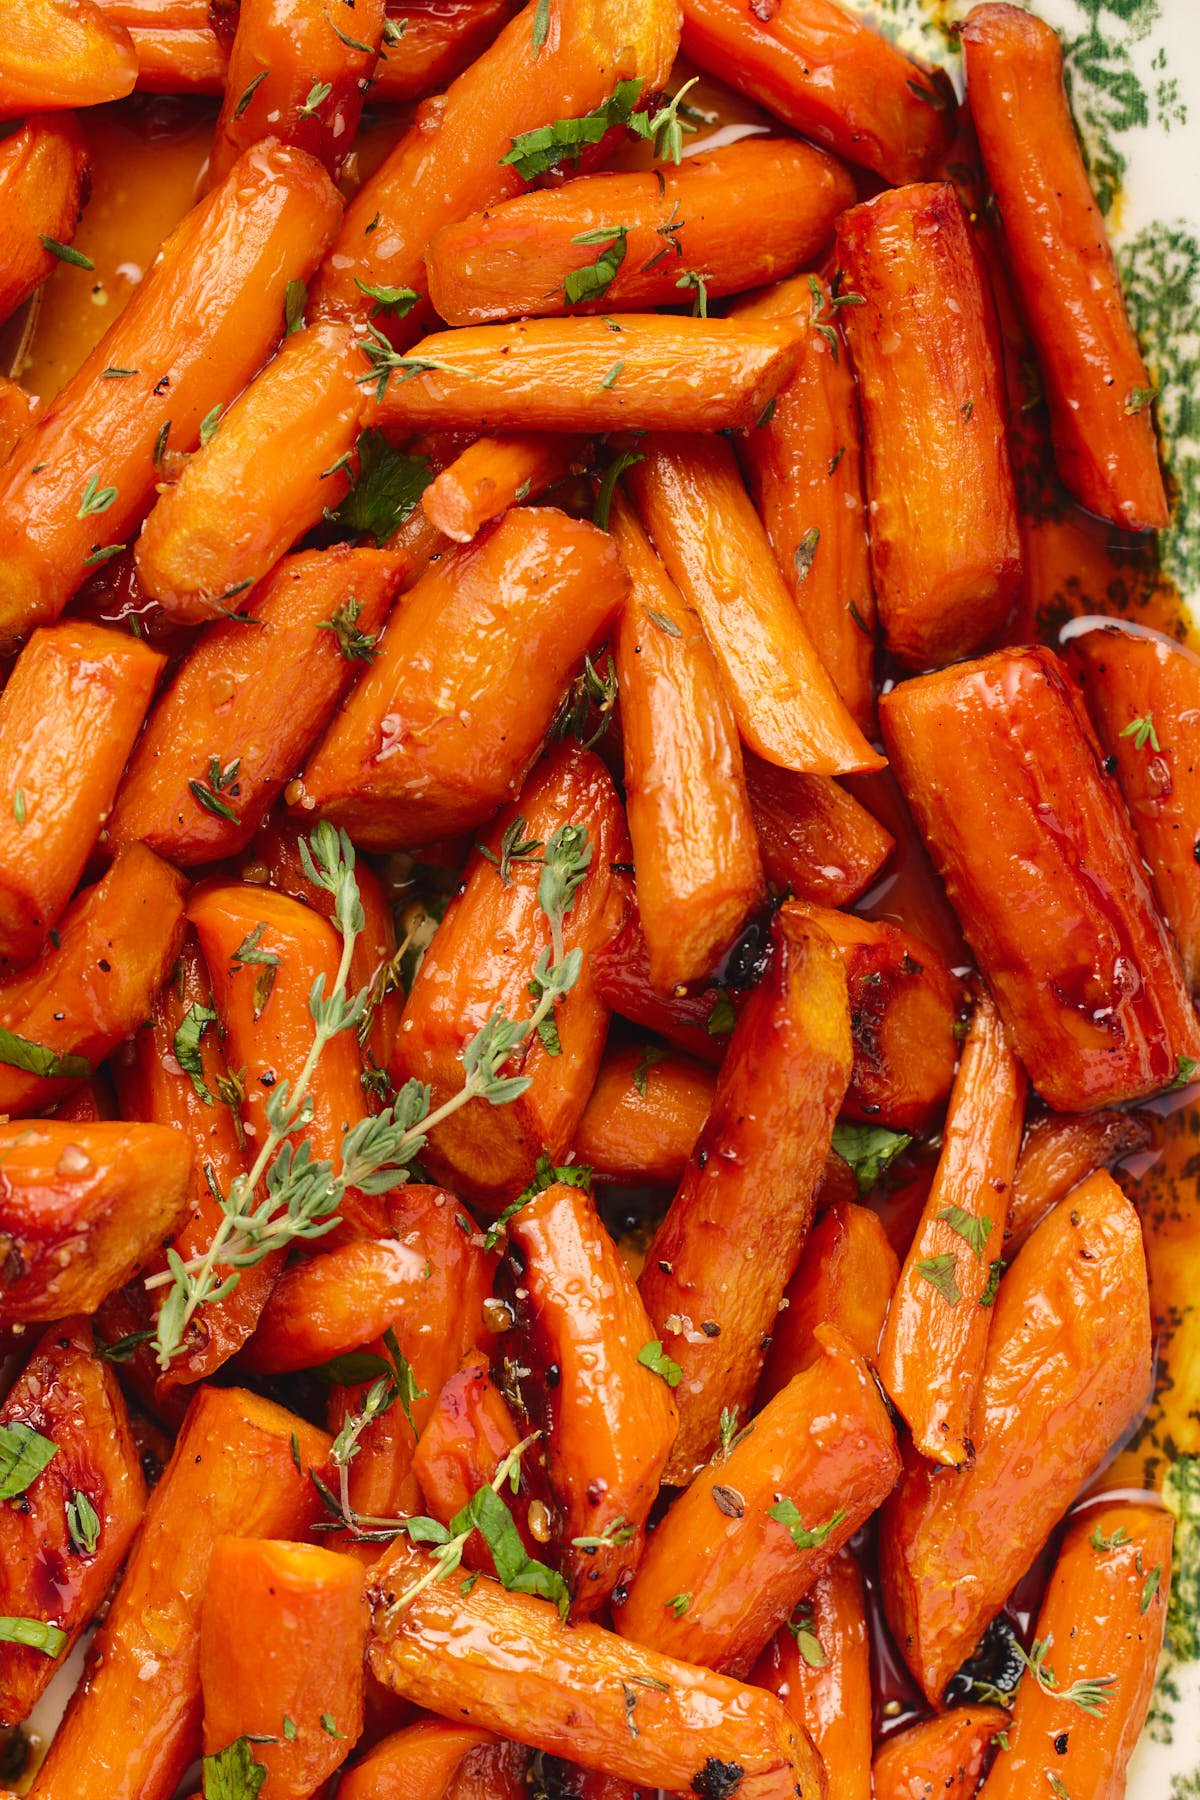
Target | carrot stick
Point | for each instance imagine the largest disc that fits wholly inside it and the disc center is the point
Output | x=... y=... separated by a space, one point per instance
x=192 y=343
x=420 y=1762
x=845 y=1278
x=814 y=837
x=16 y=415
x=694 y=848
x=445 y=725
x=60 y=53
x=1067 y=283
x=336 y=1302
x=766 y=1516
x=698 y=1023
x=1059 y=1151
x=439 y=39
x=922 y=336
x=69 y=714
x=252 y=698
x=491 y=475
x=944 y=1755
x=650 y=373
x=116 y=944
x=465 y=1439
x=1062 y=922
x=644 y=1115
x=693 y=504
x=751 y=1183
x=736 y=218
x=931 y=1357
x=1067 y=1370
x=44 y=167
x=191 y=60
x=63 y=1542
x=240 y=1466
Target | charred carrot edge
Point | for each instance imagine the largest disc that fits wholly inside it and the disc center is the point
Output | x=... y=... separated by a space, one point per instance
x=44 y=168
x=491 y=475
x=696 y=1023
x=845 y=1278
x=931 y=1357
x=814 y=837
x=1067 y=283
x=466 y=1437
x=644 y=1115
x=1057 y=1153
x=946 y=1753
x=339 y=1301
x=60 y=53
x=419 y=1762
x=440 y=38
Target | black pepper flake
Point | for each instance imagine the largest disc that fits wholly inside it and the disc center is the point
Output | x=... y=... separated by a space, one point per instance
x=710 y=1328
x=718 y=1780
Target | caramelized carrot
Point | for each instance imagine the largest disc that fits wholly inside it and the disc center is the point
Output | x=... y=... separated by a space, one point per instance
x=814 y=837
x=1061 y=920
x=190 y=60
x=92 y=985
x=444 y=726
x=69 y=714
x=694 y=848
x=16 y=415
x=845 y=1278
x=693 y=504
x=334 y=1303
x=465 y=1439
x=438 y=40
x=741 y=216
x=945 y=550
x=1067 y=1370
x=698 y=1023
x=644 y=1115
x=1057 y=1153
x=64 y=1538
x=491 y=475
x=1057 y=249
x=252 y=697
x=198 y=326
x=60 y=53
x=44 y=169
x=944 y=1755
x=766 y=1516
x=419 y=1762
x=931 y=1357
x=721 y=1258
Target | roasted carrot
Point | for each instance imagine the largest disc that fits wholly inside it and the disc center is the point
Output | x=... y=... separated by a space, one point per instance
x=444 y=726
x=64 y=1538
x=190 y=60
x=1066 y=280
x=749 y=213
x=1059 y=1151
x=945 y=550
x=491 y=475
x=90 y=989
x=694 y=506
x=644 y=1115
x=438 y=39
x=1067 y=1369
x=694 y=848
x=845 y=1278
x=814 y=837
x=283 y=1628
x=251 y=698
x=757 y=1526
x=943 y=1755
x=60 y=53
x=44 y=169
x=1062 y=921
x=420 y=1762
x=198 y=326
x=336 y=1302
x=507 y=1663
x=16 y=415
x=721 y=1258
x=466 y=1437
x=69 y=714
x=1099 y=1632
x=931 y=1357
x=698 y=1023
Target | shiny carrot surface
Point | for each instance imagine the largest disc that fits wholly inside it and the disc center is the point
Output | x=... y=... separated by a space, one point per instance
x=814 y=837
x=491 y=475
x=1059 y=1151
x=62 y=53
x=644 y=1115
x=845 y=1278
x=943 y=1755
x=43 y=170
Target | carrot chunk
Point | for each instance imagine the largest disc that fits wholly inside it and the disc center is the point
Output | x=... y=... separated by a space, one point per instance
x=44 y=168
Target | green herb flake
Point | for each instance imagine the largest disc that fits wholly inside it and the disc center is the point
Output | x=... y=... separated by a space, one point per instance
x=661 y=621
x=318 y=94
x=192 y=1027
x=786 y=1513
x=83 y=1523
x=396 y=300
x=24 y=1453
x=295 y=298
x=355 y=644
x=722 y=1018
x=679 y=1604
x=95 y=498
x=593 y=280
x=18 y=806
x=209 y=423
x=652 y=1356
x=805 y=552
x=868 y=1150
x=940 y=1273
x=65 y=253
x=1142 y=732
x=973 y=1231
x=249 y=93
x=609 y=480
x=233 y=1773
x=35 y=1634
x=541 y=26
x=385 y=491
x=36 y=1059
x=651 y=1056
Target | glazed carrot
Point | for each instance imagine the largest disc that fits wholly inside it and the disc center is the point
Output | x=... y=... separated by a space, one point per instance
x=845 y=1278
x=694 y=847
x=822 y=69
x=444 y=726
x=609 y=1419
x=131 y=1737
x=294 y=77
x=465 y=1439
x=507 y=1663
x=44 y=167
x=944 y=1755
x=491 y=475
x=306 y=403
x=252 y=698
x=644 y=1115
x=69 y=714
x=1057 y=1153
x=945 y=550
x=1100 y=1623
x=931 y=1357
x=814 y=837
x=420 y=1762
x=16 y=415
x=64 y=1539
x=439 y=39
x=750 y=1184
x=1067 y=1370
x=116 y=944
x=738 y=217
x=1066 y=280
x=1142 y=693
x=1062 y=921
x=482 y=958
x=693 y=504
x=757 y=1526
x=652 y=373
x=60 y=53
x=804 y=465
x=336 y=1302
x=283 y=1629
x=698 y=1023
x=190 y=60
x=198 y=326
x=819 y=1665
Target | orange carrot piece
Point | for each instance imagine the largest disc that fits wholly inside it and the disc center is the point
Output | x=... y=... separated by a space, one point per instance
x=69 y=714
x=814 y=837
x=336 y=1302
x=419 y=1762
x=1057 y=1153
x=465 y=1439
x=16 y=415
x=644 y=1115
x=197 y=328
x=845 y=1278
x=491 y=475
x=443 y=728
x=1066 y=280
x=44 y=168
x=1067 y=1369
x=439 y=39
x=923 y=342
x=750 y=1184
x=60 y=53
x=694 y=506
x=697 y=1023
x=944 y=1755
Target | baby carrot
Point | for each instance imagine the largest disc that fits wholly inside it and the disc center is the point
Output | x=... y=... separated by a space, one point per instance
x=814 y=837
x=60 y=53
x=942 y=1755
x=463 y=1442
x=44 y=167
x=644 y=1115
x=845 y=1278
x=698 y=1023
x=437 y=40
x=16 y=415
x=491 y=475
x=420 y=1762
x=1059 y=1150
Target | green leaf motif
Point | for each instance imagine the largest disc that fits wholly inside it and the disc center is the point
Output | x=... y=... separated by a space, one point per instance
x=24 y=1453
